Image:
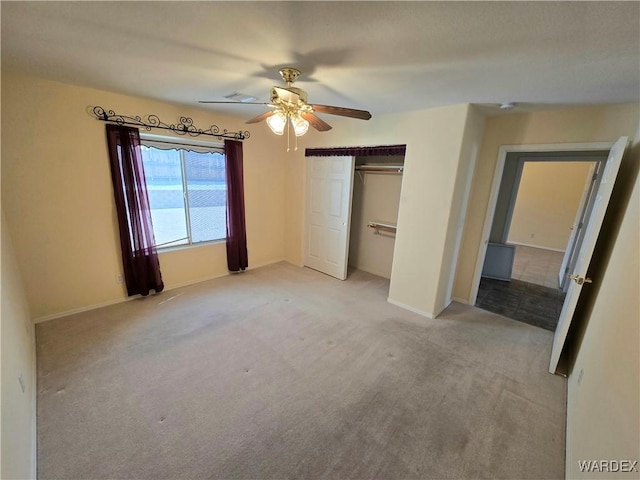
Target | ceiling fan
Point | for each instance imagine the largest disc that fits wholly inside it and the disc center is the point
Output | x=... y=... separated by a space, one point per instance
x=289 y=107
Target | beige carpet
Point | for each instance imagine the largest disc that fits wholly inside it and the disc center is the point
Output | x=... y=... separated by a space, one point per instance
x=283 y=372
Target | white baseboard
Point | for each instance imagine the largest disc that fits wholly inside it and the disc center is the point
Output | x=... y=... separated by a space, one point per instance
x=372 y=271
x=73 y=311
x=410 y=308
x=536 y=246
x=34 y=408
x=95 y=306
x=464 y=301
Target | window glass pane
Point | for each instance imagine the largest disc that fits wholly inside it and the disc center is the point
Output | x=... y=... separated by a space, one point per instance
x=207 y=190
x=163 y=172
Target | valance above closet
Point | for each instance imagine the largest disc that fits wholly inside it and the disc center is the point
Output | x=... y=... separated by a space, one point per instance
x=356 y=151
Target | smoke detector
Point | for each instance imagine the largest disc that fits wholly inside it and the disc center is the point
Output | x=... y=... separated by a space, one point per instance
x=507 y=106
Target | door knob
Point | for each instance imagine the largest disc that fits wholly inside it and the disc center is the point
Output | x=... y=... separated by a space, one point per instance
x=580 y=280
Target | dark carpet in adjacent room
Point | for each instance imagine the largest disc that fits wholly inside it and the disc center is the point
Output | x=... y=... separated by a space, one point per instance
x=526 y=302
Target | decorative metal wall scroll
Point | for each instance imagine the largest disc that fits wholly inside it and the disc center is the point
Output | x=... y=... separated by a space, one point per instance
x=185 y=127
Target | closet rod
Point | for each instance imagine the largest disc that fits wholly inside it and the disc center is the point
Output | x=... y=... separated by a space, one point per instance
x=380 y=168
x=381 y=226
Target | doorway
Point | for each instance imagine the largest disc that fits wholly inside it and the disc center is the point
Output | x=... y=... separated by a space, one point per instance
x=543 y=201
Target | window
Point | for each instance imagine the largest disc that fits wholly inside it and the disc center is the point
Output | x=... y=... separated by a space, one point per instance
x=187 y=190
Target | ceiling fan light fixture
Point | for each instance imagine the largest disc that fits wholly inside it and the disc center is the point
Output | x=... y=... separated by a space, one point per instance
x=277 y=122
x=300 y=125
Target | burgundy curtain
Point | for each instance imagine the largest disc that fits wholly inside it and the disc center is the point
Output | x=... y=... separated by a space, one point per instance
x=139 y=255
x=237 y=259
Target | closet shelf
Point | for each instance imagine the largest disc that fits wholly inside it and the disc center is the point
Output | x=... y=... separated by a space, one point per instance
x=382 y=227
x=389 y=169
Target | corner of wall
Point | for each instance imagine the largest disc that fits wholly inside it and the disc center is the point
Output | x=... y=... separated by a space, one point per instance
x=469 y=148
x=18 y=384
x=294 y=206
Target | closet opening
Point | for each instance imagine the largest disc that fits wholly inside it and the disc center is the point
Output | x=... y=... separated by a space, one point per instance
x=374 y=213
x=352 y=200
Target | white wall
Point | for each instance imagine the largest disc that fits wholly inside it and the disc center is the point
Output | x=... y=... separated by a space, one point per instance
x=547 y=202
x=18 y=356
x=460 y=195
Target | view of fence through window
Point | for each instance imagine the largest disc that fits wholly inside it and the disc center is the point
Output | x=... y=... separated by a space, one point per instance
x=188 y=195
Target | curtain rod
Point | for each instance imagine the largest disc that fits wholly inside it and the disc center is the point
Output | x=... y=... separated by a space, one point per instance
x=185 y=127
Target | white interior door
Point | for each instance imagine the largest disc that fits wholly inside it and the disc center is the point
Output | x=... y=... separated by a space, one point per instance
x=578 y=224
x=592 y=229
x=328 y=214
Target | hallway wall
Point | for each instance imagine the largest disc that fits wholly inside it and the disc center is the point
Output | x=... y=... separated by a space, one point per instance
x=547 y=202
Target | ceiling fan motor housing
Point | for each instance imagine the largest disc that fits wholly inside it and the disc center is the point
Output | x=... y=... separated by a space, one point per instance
x=298 y=96
x=289 y=74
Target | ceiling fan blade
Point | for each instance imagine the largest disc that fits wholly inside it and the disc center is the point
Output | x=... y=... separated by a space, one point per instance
x=286 y=95
x=316 y=122
x=344 y=112
x=237 y=103
x=261 y=117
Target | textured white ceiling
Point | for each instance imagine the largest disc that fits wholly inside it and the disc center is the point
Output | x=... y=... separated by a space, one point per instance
x=380 y=56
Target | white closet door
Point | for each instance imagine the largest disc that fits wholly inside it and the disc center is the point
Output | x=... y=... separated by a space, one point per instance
x=328 y=214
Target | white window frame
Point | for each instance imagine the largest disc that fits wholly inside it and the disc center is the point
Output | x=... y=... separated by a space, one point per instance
x=195 y=145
